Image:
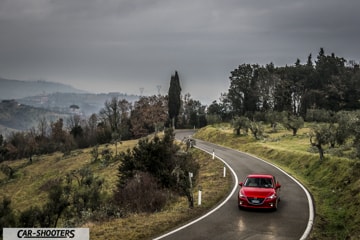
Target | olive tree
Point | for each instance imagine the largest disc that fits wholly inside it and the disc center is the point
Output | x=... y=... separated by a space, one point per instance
x=319 y=136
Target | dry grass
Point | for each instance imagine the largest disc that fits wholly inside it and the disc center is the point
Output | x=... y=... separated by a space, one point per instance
x=145 y=226
x=27 y=188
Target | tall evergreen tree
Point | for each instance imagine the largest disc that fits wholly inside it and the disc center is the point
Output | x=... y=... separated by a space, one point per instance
x=331 y=76
x=243 y=92
x=174 y=102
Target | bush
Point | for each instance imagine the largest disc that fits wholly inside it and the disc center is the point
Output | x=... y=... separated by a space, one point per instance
x=30 y=218
x=7 y=215
x=161 y=159
x=7 y=170
x=141 y=194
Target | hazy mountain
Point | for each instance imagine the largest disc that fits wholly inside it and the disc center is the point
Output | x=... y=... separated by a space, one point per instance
x=86 y=103
x=56 y=96
x=23 y=103
x=25 y=113
x=16 y=116
x=14 y=89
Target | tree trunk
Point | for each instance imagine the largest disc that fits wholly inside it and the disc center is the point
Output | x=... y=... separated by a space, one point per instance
x=319 y=147
x=321 y=152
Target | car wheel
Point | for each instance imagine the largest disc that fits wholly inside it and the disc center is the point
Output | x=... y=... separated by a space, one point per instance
x=276 y=204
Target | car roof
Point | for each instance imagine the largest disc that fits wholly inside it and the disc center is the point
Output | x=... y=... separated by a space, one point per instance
x=259 y=175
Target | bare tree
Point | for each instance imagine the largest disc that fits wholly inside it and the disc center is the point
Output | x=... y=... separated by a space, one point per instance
x=43 y=127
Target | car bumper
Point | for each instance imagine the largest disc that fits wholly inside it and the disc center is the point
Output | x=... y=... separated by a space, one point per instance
x=266 y=204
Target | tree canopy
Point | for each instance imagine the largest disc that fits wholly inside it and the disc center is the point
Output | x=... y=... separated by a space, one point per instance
x=327 y=83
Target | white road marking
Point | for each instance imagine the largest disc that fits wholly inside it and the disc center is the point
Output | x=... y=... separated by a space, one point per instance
x=311 y=206
x=212 y=211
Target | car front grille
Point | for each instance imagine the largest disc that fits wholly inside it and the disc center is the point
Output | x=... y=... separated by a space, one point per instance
x=256 y=201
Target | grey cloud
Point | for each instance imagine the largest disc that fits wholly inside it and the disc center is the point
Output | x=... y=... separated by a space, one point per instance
x=134 y=43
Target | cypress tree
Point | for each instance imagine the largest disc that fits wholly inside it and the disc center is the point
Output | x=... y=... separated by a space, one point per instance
x=174 y=101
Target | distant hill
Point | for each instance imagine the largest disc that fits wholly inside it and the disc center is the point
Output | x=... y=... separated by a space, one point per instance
x=15 y=89
x=15 y=116
x=23 y=114
x=56 y=97
x=87 y=103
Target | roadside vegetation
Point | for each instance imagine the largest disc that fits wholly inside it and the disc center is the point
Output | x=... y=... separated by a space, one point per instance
x=333 y=181
x=82 y=189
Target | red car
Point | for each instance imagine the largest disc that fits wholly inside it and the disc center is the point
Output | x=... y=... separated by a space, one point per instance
x=259 y=191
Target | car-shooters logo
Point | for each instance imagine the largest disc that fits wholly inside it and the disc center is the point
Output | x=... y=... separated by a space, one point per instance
x=46 y=233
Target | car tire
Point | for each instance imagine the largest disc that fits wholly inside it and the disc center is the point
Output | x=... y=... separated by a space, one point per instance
x=276 y=204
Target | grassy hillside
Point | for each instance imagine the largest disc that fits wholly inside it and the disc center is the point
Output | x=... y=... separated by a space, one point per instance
x=334 y=183
x=30 y=183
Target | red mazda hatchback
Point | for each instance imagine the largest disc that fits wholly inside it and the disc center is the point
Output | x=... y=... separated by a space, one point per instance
x=259 y=191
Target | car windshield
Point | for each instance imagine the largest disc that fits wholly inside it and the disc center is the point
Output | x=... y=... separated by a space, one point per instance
x=258 y=182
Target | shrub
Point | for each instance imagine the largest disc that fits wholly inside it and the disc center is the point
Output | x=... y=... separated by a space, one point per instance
x=142 y=193
x=7 y=215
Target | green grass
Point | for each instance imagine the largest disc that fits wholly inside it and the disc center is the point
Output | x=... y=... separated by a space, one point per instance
x=28 y=188
x=334 y=183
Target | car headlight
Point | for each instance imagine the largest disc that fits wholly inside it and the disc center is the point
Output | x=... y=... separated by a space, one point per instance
x=241 y=195
x=273 y=196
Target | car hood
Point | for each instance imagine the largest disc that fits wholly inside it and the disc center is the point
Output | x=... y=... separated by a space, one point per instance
x=257 y=192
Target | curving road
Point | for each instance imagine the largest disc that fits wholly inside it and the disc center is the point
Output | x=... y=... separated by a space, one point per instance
x=292 y=220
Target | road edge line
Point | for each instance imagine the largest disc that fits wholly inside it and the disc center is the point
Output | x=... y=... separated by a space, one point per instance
x=307 y=193
x=214 y=209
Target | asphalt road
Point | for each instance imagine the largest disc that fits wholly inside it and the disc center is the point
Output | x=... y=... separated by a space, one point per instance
x=292 y=220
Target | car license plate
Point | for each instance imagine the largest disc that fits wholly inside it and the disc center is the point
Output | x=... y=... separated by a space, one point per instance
x=255 y=201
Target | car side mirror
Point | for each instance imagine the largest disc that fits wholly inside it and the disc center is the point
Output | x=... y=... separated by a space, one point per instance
x=241 y=184
x=278 y=185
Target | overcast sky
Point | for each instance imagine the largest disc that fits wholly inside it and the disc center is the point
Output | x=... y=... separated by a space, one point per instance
x=125 y=45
